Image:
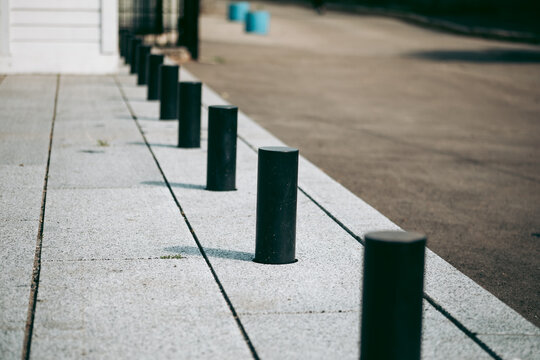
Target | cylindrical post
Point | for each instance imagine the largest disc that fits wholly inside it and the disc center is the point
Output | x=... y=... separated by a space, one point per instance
x=124 y=36
x=392 y=295
x=221 y=160
x=121 y=42
x=168 y=89
x=191 y=27
x=135 y=42
x=277 y=184
x=189 y=114
x=152 y=75
x=127 y=48
x=142 y=53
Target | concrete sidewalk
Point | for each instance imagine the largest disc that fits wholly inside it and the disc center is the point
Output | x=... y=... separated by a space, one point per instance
x=136 y=260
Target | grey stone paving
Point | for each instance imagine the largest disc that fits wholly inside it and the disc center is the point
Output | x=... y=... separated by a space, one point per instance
x=107 y=288
x=112 y=285
x=26 y=109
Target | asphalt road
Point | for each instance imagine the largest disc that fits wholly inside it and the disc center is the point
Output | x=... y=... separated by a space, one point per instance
x=441 y=133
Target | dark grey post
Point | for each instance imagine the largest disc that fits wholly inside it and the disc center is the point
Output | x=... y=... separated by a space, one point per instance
x=122 y=42
x=168 y=90
x=142 y=53
x=133 y=49
x=152 y=75
x=277 y=186
x=190 y=29
x=392 y=295
x=189 y=114
x=221 y=160
x=127 y=48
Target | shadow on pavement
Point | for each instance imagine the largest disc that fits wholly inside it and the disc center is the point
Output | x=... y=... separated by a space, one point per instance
x=480 y=56
x=179 y=185
x=152 y=145
x=212 y=252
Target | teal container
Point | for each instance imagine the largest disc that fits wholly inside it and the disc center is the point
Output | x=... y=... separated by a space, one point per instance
x=258 y=22
x=238 y=11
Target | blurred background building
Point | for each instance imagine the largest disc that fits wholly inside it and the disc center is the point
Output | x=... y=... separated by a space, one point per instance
x=81 y=36
x=52 y=36
x=77 y=36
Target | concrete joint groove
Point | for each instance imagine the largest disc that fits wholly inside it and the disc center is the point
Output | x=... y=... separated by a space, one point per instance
x=27 y=342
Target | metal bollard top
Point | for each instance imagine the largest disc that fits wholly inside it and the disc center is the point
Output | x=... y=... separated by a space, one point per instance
x=281 y=149
x=397 y=237
x=169 y=66
x=223 y=107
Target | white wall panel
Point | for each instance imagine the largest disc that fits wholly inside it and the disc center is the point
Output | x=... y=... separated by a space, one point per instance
x=4 y=27
x=55 y=18
x=58 y=36
x=34 y=33
x=109 y=26
x=56 y=4
x=66 y=58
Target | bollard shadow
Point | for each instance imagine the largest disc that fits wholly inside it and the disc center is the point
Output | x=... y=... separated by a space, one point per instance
x=178 y=185
x=136 y=99
x=128 y=117
x=211 y=252
x=92 y=151
x=152 y=145
x=519 y=56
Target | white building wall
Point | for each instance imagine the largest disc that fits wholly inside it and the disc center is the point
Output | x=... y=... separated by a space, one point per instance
x=58 y=36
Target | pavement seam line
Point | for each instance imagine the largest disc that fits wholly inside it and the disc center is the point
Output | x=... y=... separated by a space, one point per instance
x=309 y=312
x=32 y=302
x=112 y=259
x=471 y=335
x=462 y=327
x=192 y=231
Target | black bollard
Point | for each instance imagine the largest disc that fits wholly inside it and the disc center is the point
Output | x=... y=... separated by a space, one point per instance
x=392 y=295
x=152 y=75
x=168 y=90
x=127 y=43
x=277 y=186
x=221 y=160
x=121 y=38
x=122 y=42
x=127 y=48
x=189 y=114
x=135 y=42
x=142 y=53
x=190 y=27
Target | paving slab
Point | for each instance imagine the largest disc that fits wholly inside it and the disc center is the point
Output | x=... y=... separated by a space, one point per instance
x=166 y=308
x=26 y=124
x=110 y=286
x=507 y=346
x=111 y=224
x=93 y=136
x=90 y=97
x=26 y=105
x=102 y=167
x=17 y=244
